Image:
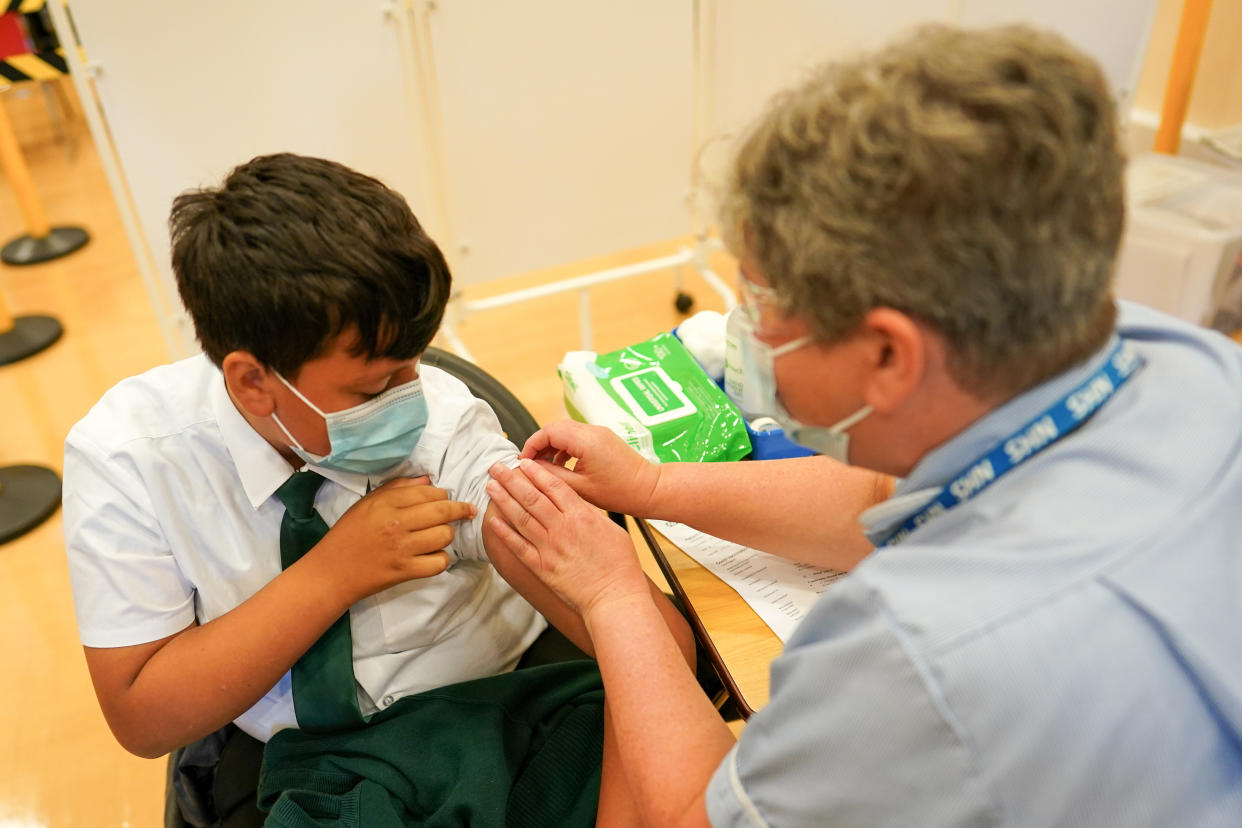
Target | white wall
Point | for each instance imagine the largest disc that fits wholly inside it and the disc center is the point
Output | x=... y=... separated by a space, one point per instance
x=1114 y=31
x=566 y=128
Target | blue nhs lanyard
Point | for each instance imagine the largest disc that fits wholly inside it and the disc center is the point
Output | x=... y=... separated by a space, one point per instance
x=1058 y=420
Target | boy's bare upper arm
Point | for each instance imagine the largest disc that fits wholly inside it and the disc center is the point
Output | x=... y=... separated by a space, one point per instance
x=114 y=669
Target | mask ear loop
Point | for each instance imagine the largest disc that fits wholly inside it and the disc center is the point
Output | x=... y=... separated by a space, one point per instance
x=852 y=420
x=299 y=394
x=792 y=345
x=276 y=417
x=292 y=440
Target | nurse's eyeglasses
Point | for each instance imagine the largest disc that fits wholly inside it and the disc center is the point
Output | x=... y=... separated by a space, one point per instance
x=753 y=297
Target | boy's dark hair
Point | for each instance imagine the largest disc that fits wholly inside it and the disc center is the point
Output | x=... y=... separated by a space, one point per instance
x=291 y=251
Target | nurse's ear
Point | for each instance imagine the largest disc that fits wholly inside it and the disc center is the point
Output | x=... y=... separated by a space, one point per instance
x=249 y=383
x=900 y=356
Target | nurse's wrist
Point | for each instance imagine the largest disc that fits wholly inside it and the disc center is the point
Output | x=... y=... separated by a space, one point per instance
x=611 y=608
x=649 y=486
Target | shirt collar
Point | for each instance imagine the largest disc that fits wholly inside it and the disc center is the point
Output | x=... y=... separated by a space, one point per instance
x=938 y=466
x=260 y=467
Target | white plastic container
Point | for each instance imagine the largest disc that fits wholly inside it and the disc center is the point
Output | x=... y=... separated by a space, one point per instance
x=1183 y=234
x=704 y=337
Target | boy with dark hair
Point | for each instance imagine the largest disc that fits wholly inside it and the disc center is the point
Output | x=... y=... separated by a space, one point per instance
x=287 y=532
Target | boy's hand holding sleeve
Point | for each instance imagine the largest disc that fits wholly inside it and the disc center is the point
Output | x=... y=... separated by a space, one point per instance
x=397 y=533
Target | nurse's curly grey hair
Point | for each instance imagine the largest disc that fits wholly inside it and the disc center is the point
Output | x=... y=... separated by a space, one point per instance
x=972 y=179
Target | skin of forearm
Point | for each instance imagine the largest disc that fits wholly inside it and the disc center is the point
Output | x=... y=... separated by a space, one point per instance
x=560 y=614
x=804 y=509
x=206 y=676
x=670 y=737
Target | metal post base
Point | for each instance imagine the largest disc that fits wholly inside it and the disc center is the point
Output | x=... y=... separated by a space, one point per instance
x=61 y=241
x=29 y=495
x=29 y=335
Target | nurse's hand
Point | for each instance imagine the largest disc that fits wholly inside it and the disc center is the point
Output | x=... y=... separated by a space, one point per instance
x=606 y=471
x=568 y=544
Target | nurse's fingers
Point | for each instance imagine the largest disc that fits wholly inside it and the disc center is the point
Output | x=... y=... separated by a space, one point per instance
x=538 y=445
x=562 y=435
x=501 y=489
x=555 y=489
x=521 y=548
x=518 y=484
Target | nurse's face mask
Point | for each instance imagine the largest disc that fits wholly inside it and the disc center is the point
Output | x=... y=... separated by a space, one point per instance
x=369 y=438
x=760 y=360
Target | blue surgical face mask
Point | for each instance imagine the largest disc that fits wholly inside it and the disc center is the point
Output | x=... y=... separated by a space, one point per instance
x=369 y=438
x=759 y=359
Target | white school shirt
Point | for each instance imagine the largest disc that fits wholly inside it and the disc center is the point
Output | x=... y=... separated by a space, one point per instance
x=1063 y=649
x=170 y=516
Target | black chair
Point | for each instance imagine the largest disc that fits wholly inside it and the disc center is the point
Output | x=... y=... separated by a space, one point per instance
x=515 y=420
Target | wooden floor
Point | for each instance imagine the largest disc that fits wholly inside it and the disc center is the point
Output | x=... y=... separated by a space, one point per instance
x=59 y=765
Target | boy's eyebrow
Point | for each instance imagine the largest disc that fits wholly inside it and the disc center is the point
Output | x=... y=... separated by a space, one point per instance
x=370 y=378
x=366 y=382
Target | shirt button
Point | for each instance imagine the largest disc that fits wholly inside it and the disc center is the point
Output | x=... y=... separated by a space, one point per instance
x=387 y=701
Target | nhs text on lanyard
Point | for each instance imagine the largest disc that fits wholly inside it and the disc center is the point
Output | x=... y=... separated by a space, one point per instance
x=1061 y=418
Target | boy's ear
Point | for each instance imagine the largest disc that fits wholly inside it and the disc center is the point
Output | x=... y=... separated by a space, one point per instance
x=249 y=383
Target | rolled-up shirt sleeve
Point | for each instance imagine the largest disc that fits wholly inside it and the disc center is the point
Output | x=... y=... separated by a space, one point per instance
x=475 y=443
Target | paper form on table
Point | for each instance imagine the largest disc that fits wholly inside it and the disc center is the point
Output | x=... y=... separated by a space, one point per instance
x=778 y=590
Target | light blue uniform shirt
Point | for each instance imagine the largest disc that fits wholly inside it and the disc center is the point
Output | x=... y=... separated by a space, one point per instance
x=1063 y=649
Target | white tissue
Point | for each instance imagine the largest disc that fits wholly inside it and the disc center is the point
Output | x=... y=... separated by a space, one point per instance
x=704 y=337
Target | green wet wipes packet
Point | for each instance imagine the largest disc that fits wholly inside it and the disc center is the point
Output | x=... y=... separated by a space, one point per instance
x=657 y=398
